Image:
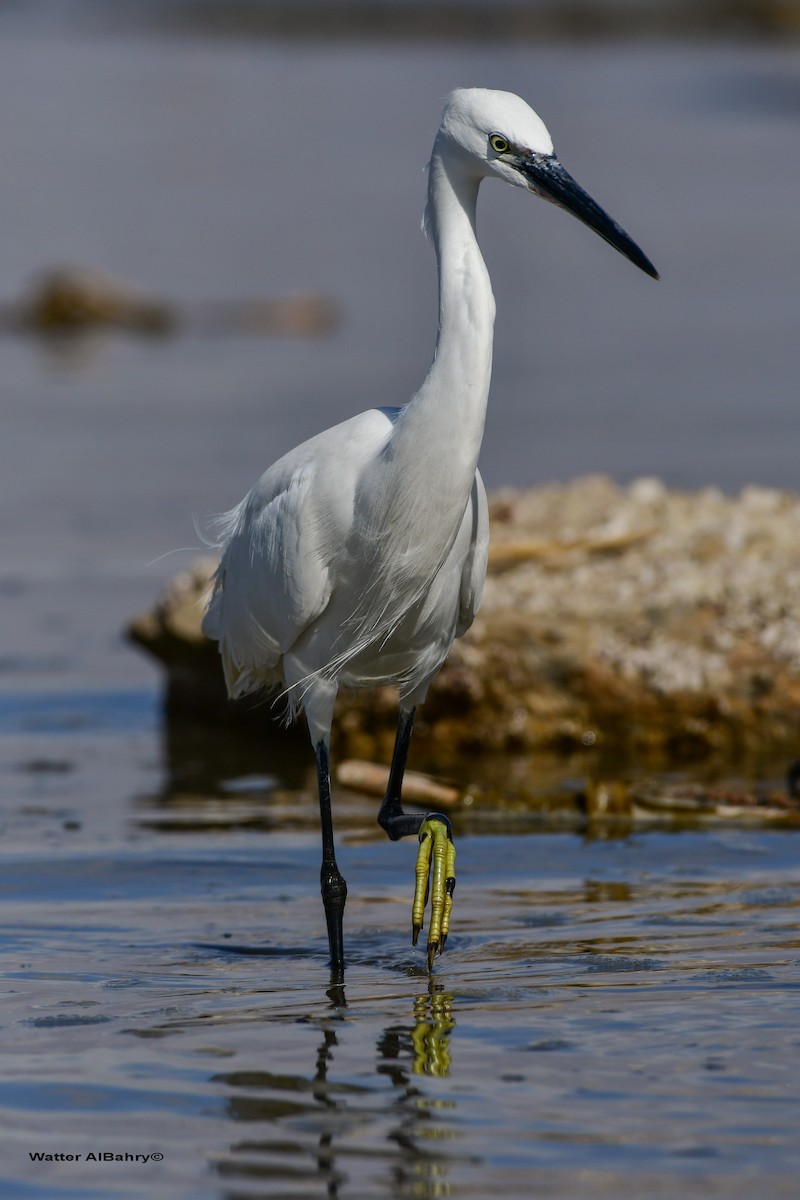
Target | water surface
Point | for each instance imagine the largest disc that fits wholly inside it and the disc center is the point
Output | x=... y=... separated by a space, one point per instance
x=610 y=1011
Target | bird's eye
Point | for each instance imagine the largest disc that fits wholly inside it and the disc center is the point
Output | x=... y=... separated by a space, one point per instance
x=499 y=144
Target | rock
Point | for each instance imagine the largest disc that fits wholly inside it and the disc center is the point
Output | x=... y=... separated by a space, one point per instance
x=632 y=619
x=74 y=300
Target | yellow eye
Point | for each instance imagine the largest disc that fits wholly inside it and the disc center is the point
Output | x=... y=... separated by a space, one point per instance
x=499 y=144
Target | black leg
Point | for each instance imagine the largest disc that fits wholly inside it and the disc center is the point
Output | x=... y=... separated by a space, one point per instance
x=390 y=815
x=334 y=888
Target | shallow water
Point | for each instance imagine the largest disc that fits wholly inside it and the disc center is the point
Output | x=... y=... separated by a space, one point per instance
x=611 y=1011
x=616 y=1009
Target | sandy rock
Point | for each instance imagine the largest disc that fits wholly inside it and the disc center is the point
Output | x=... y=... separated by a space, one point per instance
x=635 y=619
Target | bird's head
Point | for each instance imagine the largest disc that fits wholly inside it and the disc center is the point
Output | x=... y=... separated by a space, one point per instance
x=496 y=134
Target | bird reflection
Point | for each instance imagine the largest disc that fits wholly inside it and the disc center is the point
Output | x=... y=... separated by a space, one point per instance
x=312 y=1128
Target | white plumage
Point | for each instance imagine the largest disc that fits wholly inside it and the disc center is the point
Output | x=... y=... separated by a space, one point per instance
x=312 y=593
x=360 y=555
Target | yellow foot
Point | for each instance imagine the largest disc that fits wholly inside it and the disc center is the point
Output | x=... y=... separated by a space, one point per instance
x=436 y=873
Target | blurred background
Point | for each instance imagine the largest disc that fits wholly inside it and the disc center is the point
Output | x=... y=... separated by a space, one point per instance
x=209 y=153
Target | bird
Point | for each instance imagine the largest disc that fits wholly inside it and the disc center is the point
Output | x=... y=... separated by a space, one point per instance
x=360 y=556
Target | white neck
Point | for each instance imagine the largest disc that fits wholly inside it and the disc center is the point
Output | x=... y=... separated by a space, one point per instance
x=433 y=451
x=424 y=478
x=454 y=394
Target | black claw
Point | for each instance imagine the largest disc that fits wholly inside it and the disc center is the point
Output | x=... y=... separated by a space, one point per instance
x=432 y=949
x=415 y=932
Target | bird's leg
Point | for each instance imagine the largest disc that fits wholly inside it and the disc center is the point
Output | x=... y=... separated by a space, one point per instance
x=436 y=859
x=391 y=817
x=333 y=886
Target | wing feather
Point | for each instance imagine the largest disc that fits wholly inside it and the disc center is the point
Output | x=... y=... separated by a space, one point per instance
x=280 y=549
x=272 y=582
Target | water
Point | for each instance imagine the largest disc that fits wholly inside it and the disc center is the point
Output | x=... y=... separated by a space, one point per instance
x=612 y=1011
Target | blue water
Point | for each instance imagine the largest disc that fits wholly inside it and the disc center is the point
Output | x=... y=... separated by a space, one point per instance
x=120 y=711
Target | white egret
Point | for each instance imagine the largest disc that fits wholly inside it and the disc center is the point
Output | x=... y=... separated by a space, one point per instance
x=360 y=555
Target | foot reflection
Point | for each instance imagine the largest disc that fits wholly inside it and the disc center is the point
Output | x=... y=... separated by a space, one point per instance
x=350 y=1130
x=431 y=1037
x=425 y=1044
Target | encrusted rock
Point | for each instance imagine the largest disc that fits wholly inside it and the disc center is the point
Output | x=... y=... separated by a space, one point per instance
x=633 y=618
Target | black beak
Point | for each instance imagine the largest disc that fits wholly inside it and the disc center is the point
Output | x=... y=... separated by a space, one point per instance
x=545 y=175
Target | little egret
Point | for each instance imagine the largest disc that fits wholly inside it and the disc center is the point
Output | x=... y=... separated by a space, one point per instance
x=360 y=556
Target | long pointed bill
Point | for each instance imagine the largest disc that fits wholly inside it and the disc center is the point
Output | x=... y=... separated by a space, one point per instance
x=545 y=175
